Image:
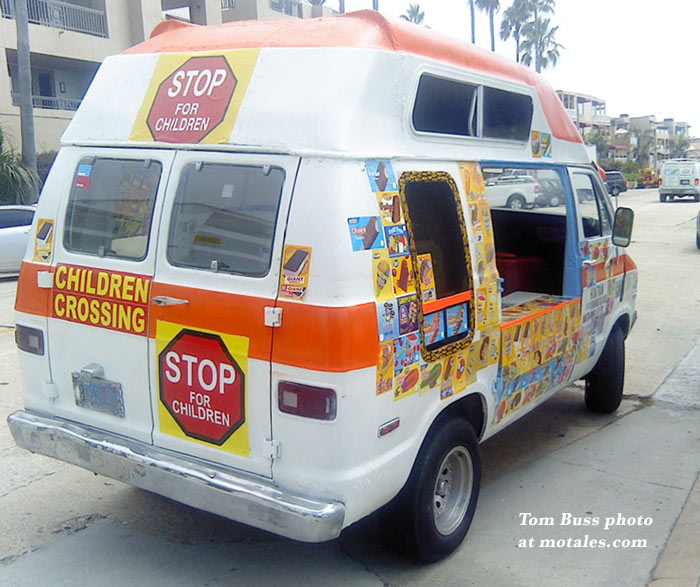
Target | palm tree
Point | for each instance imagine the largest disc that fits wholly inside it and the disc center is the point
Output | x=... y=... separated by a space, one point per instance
x=490 y=6
x=601 y=141
x=471 y=14
x=679 y=146
x=539 y=39
x=18 y=184
x=514 y=17
x=375 y=5
x=414 y=14
x=646 y=143
x=537 y=7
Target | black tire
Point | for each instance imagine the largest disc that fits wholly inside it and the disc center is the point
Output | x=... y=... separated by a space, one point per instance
x=662 y=197
x=696 y=197
x=615 y=191
x=430 y=516
x=697 y=240
x=516 y=202
x=605 y=382
x=554 y=201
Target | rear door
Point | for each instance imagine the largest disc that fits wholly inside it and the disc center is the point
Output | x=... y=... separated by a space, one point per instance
x=103 y=264
x=217 y=274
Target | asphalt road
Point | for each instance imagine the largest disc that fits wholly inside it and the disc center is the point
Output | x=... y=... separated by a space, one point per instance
x=61 y=525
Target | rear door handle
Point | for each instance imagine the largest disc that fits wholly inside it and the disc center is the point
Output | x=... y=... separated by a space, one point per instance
x=168 y=301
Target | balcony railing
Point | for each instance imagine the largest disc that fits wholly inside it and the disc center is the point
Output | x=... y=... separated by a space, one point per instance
x=51 y=103
x=227 y=4
x=61 y=15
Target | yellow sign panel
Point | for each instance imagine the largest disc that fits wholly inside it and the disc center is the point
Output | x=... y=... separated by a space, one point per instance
x=202 y=385
x=195 y=97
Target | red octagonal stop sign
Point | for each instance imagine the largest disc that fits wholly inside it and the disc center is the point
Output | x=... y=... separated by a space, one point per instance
x=202 y=386
x=192 y=101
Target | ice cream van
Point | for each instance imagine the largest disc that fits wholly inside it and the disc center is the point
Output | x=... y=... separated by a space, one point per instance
x=265 y=277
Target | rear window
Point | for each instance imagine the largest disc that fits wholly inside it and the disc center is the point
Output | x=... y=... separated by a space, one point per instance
x=507 y=115
x=110 y=208
x=224 y=218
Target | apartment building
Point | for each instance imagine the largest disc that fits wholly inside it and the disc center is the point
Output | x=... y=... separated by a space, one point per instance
x=586 y=112
x=70 y=38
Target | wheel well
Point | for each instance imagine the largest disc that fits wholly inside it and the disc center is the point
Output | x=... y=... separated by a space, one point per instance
x=472 y=408
x=624 y=323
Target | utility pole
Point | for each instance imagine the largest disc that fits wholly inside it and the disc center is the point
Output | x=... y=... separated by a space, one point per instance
x=24 y=89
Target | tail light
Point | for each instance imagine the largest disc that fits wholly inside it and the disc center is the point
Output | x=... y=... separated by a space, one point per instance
x=307 y=401
x=624 y=182
x=29 y=340
x=697 y=181
x=538 y=188
x=660 y=181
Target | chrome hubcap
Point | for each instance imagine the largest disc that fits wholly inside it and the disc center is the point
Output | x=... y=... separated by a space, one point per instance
x=453 y=488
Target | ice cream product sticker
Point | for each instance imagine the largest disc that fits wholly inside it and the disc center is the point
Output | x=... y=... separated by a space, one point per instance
x=387 y=320
x=366 y=233
x=406 y=352
x=456 y=320
x=381 y=176
x=385 y=368
x=426 y=276
x=294 y=279
x=434 y=327
x=408 y=314
x=381 y=271
x=390 y=208
x=402 y=274
x=397 y=240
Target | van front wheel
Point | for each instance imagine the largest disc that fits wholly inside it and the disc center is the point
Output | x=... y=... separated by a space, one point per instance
x=432 y=513
x=604 y=384
x=662 y=197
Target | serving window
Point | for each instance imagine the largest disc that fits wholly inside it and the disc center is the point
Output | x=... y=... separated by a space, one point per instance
x=440 y=250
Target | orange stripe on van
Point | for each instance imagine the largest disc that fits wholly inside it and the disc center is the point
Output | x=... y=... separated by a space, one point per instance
x=31 y=299
x=321 y=338
x=363 y=29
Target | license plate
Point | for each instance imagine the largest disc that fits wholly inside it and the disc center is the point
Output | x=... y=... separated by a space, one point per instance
x=685 y=182
x=98 y=394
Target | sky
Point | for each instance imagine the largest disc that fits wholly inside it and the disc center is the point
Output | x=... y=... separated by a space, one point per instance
x=638 y=56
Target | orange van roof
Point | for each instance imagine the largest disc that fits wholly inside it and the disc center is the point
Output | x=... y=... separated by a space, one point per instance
x=363 y=29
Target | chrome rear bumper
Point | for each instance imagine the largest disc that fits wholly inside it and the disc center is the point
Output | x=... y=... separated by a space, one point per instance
x=234 y=495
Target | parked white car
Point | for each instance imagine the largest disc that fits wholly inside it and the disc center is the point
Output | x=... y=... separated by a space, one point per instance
x=513 y=191
x=15 y=222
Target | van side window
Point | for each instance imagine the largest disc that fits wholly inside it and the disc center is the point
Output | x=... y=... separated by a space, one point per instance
x=445 y=106
x=110 y=207
x=596 y=216
x=507 y=115
x=224 y=218
x=440 y=256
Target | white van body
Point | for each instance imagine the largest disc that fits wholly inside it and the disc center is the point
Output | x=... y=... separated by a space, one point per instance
x=679 y=178
x=227 y=314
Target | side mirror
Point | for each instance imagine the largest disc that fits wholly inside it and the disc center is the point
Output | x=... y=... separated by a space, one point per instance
x=622 y=227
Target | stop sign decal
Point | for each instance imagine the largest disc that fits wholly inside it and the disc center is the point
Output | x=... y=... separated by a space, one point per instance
x=192 y=101
x=202 y=385
x=194 y=97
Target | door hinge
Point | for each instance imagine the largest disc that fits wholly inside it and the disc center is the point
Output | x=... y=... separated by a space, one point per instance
x=272 y=449
x=273 y=317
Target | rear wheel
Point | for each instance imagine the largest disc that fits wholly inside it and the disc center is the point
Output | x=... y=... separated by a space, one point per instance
x=615 y=191
x=604 y=384
x=696 y=197
x=697 y=241
x=554 y=201
x=429 y=518
x=516 y=202
x=662 y=197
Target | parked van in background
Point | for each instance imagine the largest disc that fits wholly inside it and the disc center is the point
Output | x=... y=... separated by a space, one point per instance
x=680 y=178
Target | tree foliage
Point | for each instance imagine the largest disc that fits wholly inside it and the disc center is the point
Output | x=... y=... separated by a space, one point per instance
x=414 y=14
x=679 y=146
x=514 y=18
x=601 y=141
x=539 y=44
x=18 y=184
x=490 y=6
